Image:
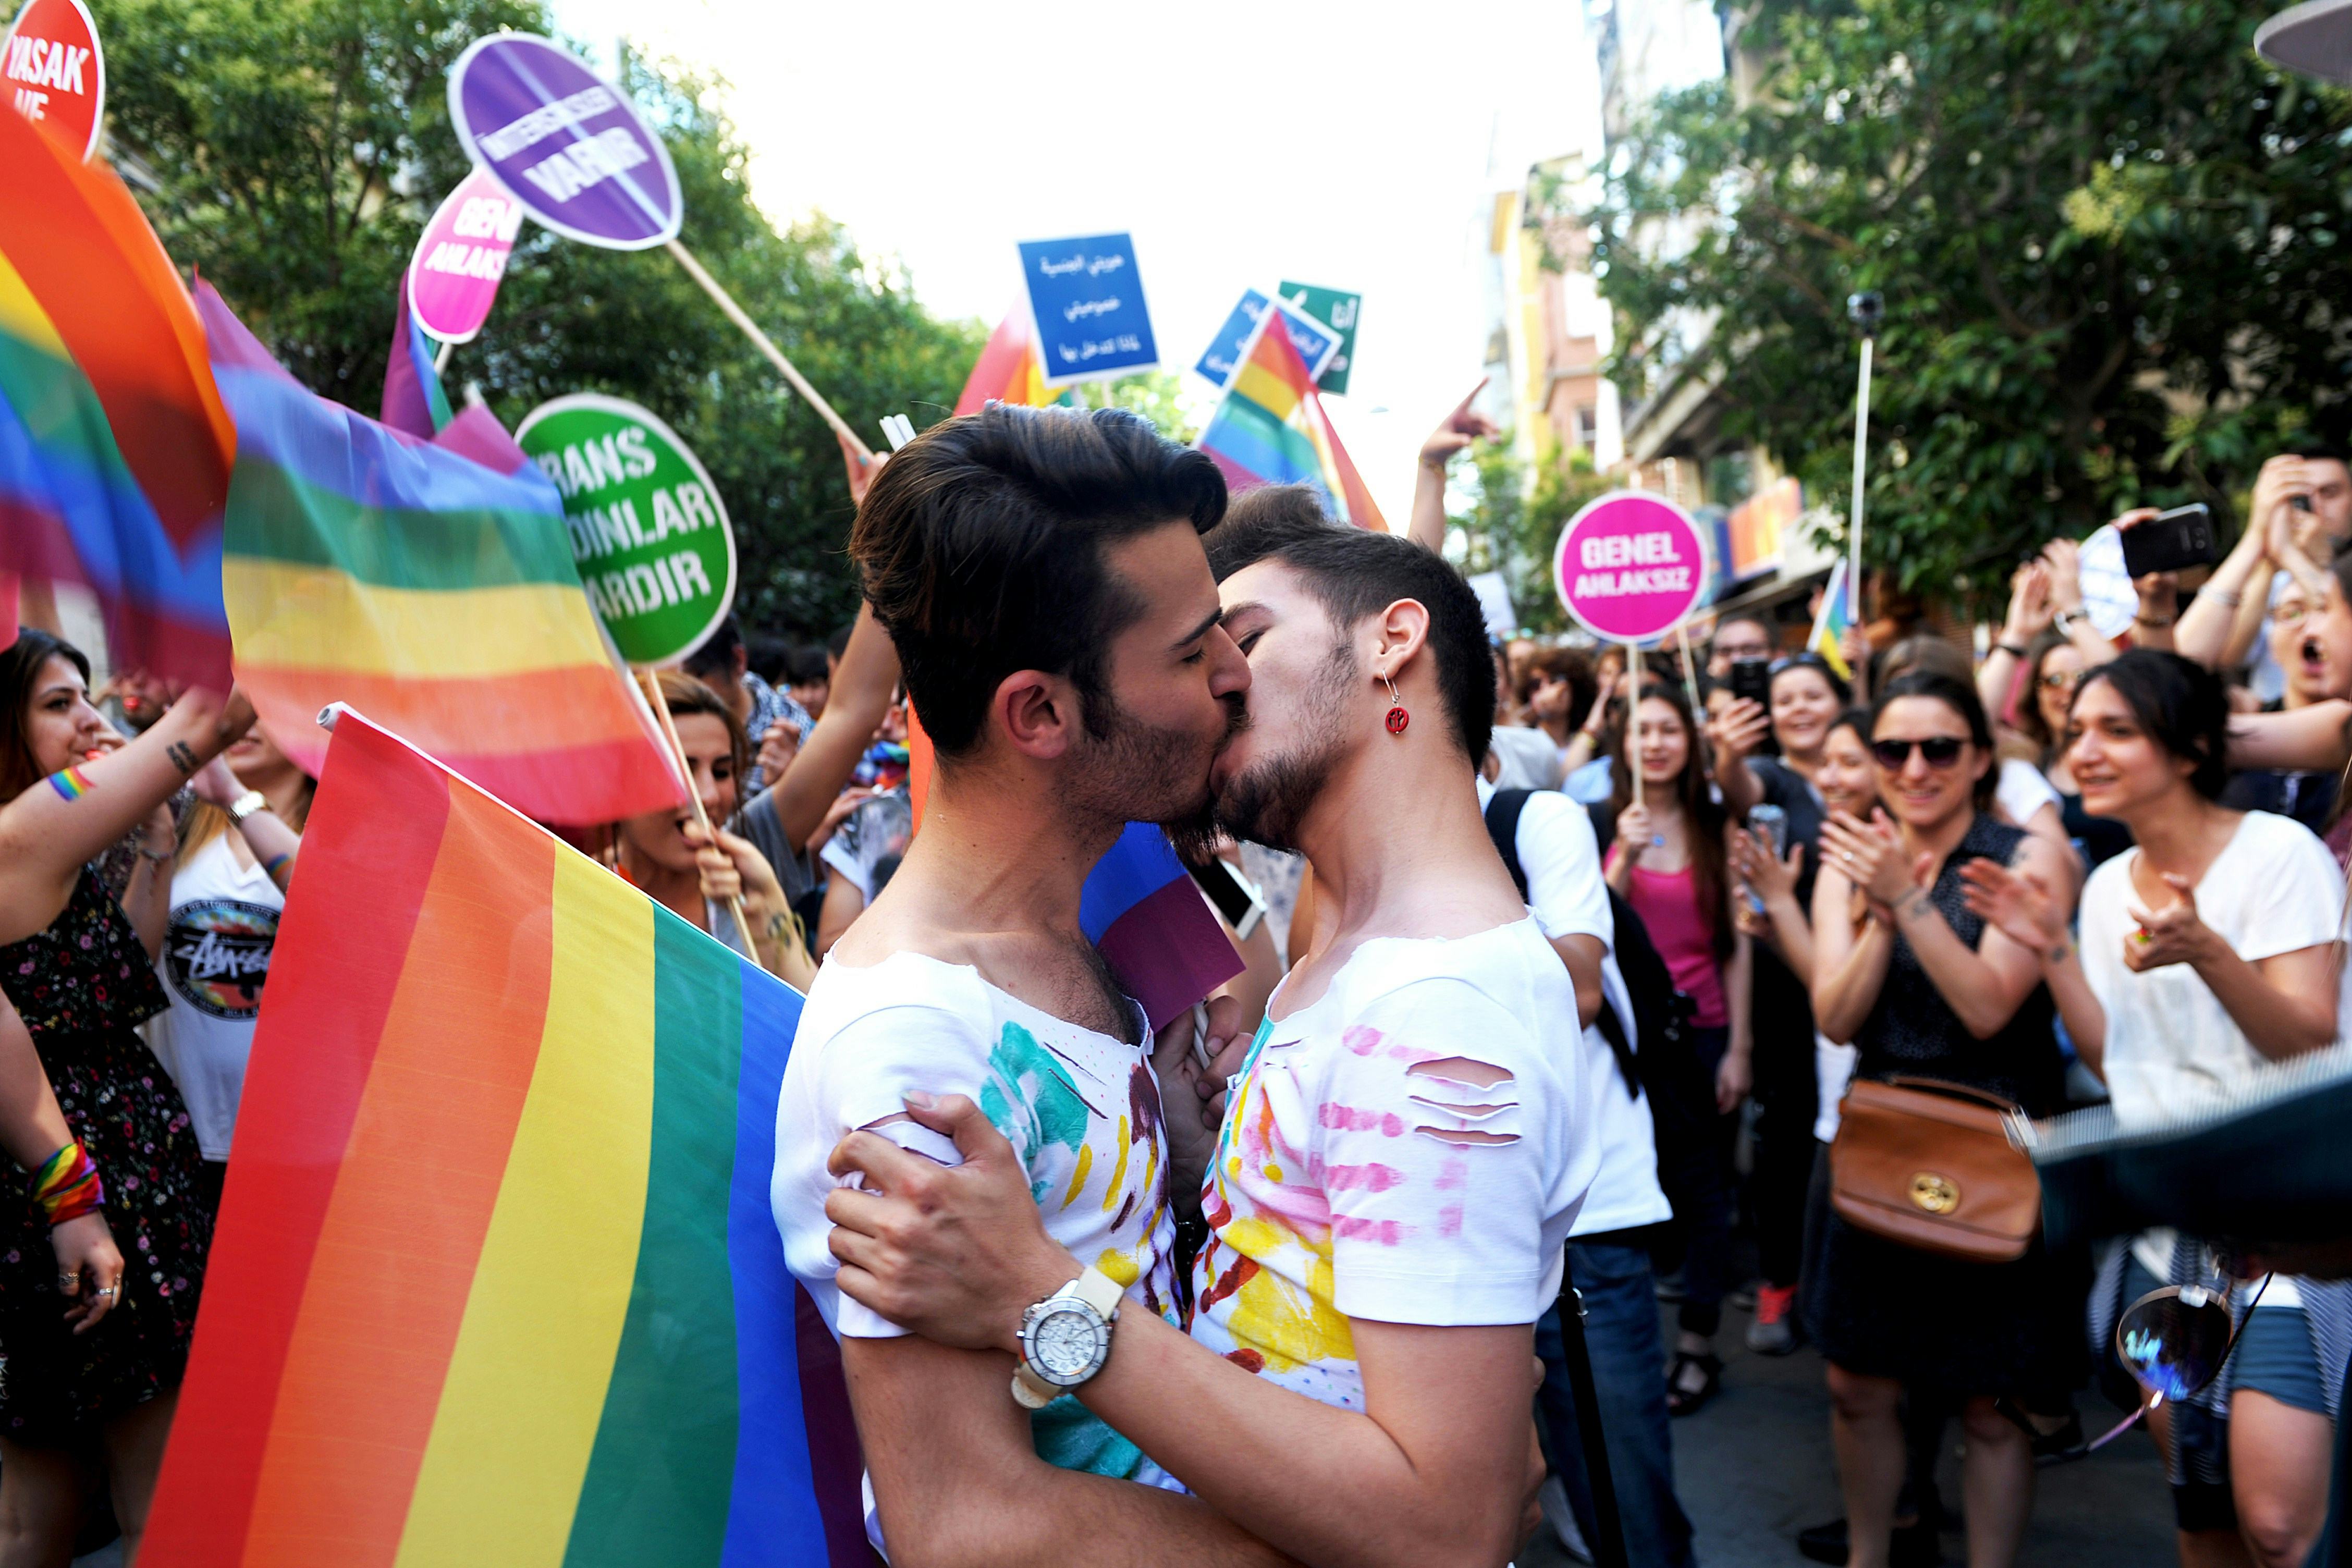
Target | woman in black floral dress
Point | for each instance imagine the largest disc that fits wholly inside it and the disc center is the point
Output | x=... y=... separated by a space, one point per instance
x=96 y=1308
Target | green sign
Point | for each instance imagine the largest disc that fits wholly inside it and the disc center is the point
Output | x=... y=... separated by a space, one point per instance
x=648 y=531
x=1337 y=312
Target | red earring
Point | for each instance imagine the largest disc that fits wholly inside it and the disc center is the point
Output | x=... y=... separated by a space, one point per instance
x=1397 y=717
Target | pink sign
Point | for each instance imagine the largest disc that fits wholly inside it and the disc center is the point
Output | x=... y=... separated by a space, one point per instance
x=453 y=278
x=1630 y=566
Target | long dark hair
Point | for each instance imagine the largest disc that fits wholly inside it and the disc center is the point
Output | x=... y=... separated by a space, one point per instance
x=2028 y=708
x=20 y=671
x=1703 y=814
x=1959 y=696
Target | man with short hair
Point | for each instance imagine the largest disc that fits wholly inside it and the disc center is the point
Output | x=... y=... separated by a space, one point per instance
x=1407 y=1145
x=724 y=664
x=1041 y=574
x=1739 y=636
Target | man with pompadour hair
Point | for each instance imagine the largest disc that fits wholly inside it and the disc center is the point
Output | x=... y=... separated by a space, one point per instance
x=1405 y=1145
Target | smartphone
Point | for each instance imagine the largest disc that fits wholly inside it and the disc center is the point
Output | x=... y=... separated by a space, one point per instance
x=2170 y=539
x=1752 y=678
x=1774 y=824
x=1235 y=896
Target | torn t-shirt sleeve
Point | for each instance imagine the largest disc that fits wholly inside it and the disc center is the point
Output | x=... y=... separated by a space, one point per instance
x=1436 y=1167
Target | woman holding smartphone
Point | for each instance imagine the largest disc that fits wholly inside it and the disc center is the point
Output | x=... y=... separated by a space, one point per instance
x=1669 y=860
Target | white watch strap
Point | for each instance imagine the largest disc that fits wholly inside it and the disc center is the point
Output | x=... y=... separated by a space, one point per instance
x=1097 y=1289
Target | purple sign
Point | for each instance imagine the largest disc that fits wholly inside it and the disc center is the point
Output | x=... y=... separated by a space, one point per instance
x=1630 y=566
x=565 y=143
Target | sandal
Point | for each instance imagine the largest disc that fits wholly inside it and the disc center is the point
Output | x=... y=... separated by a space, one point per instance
x=2060 y=1445
x=1682 y=1401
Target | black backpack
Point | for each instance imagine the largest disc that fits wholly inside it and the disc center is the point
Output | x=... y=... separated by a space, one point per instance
x=1661 y=1058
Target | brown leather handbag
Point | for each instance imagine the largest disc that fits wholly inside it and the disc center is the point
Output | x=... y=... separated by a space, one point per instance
x=1931 y=1165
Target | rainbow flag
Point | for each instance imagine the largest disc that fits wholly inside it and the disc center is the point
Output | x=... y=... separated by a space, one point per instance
x=413 y=397
x=114 y=445
x=1009 y=370
x=1140 y=907
x=495 y=1279
x=1270 y=429
x=1831 y=625
x=430 y=583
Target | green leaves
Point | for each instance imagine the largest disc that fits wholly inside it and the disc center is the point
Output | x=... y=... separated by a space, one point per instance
x=296 y=148
x=2106 y=235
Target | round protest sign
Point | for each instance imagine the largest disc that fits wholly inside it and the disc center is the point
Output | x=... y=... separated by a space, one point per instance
x=654 y=549
x=565 y=143
x=1630 y=566
x=453 y=278
x=51 y=69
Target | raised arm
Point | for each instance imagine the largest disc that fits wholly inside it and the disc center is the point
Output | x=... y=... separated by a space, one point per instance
x=51 y=830
x=828 y=757
x=1460 y=427
x=2029 y=615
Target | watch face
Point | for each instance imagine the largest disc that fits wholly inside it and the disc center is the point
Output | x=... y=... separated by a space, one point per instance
x=1064 y=1345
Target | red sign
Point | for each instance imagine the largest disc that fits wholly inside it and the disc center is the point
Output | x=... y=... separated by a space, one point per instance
x=53 y=74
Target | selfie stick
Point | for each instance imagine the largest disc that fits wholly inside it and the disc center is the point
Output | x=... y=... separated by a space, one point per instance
x=1865 y=311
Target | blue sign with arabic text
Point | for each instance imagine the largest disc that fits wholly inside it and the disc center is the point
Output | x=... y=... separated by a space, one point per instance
x=1316 y=343
x=1087 y=300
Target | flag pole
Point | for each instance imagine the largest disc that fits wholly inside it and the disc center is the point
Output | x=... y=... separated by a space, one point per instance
x=1630 y=751
x=652 y=681
x=775 y=355
x=441 y=359
x=1865 y=311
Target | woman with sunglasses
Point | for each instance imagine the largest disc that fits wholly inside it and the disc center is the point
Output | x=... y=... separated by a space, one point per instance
x=2208 y=950
x=1669 y=860
x=1806 y=696
x=1928 y=989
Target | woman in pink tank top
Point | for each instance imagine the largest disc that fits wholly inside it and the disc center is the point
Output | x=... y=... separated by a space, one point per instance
x=1668 y=860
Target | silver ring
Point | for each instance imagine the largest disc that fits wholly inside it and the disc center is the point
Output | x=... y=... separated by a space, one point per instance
x=106 y=1290
x=1848 y=855
x=69 y=1283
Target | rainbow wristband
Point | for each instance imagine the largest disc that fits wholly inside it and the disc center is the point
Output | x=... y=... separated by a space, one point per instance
x=67 y=1185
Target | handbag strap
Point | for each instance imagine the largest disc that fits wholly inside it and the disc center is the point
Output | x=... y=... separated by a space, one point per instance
x=1956 y=1091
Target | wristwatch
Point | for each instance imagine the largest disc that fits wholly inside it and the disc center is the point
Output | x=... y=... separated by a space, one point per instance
x=246 y=805
x=1065 y=1339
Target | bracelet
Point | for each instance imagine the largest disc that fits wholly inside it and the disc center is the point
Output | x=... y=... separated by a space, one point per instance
x=152 y=857
x=2010 y=648
x=2228 y=596
x=2153 y=626
x=67 y=1185
x=270 y=867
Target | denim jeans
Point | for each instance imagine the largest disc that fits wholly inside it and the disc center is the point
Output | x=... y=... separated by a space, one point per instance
x=1629 y=1371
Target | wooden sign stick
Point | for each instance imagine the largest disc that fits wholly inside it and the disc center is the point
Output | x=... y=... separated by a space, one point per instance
x=735 y=313
x=652 y=681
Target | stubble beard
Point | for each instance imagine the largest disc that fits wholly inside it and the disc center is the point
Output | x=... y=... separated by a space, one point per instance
x=1139 y=773
x=1265 y=803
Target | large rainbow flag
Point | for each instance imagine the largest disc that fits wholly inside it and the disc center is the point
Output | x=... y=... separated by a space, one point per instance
x=1270 y=429
x=428 y=582
x=114 y=447
x=495 y=1279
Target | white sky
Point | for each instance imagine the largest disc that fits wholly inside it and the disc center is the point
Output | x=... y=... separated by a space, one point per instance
x=1241 y=144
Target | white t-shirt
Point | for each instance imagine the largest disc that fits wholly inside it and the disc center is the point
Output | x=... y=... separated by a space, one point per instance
x=1529 y=759
x=1411 y=1147
x=2022 y=791
x=1082 y=1109
x=215 y=958
x=2170 y=1044
x=1567 y=898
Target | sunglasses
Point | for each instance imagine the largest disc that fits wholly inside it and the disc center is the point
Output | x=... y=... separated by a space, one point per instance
x=2174 y=1342
x=2062 y=681
x=1941 y=751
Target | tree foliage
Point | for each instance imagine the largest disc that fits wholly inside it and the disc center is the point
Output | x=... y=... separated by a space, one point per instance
x=2107 y=236
x=1513 y=522
x=293 y=150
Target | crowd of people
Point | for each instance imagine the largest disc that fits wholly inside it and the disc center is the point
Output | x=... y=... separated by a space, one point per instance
x=1567 y=965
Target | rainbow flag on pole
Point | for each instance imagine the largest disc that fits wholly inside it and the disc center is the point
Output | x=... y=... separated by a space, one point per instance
x=495 y=1279
x=114 y=445
x=1009 y=370
x=1270 y=429
x=413 y=398
x=430 y=583
x=1831 y=625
